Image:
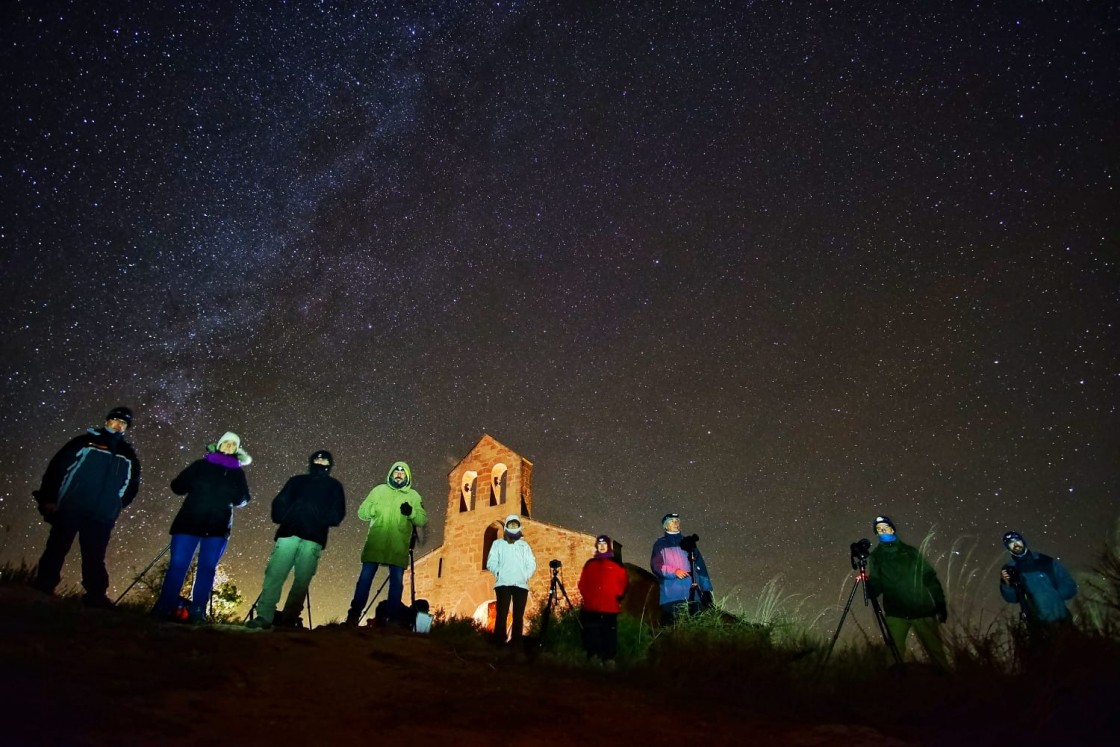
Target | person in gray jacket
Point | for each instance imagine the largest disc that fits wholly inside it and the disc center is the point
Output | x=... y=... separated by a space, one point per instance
x=512 y=563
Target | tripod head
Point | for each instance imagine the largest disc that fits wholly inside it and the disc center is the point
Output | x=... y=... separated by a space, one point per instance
x=860 y=552
x=555 y=565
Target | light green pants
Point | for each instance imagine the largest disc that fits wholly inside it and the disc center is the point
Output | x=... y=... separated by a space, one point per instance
x=926 y=630
x=289 y=553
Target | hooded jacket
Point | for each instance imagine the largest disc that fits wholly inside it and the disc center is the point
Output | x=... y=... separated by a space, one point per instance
x=94 y=476
x=512 y=563
x=666 y=558
x=309 y=505
x=390 y=531
x=1047 y=583
x=213 y=486
x=906 y=580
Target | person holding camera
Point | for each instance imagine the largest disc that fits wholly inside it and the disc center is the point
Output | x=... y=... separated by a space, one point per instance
x=305 y=508
x=392 y=509
x=684 y=585
x=512 y=563
x=912 y=595
x=602 y=583
x=1038 y=583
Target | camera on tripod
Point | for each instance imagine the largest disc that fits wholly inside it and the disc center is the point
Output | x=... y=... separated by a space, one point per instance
x=555 y=565
x=860 y=551
x=688 y=544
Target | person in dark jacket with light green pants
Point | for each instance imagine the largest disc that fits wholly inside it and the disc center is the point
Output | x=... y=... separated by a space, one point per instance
x=912 y=595
x=305 y=508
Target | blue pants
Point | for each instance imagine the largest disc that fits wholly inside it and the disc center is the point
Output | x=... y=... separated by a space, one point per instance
x=93 y=539
x=183 y=547
x=365 y=581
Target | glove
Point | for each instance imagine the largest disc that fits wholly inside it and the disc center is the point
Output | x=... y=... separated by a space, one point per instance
x=406 y=509
x=942 y=612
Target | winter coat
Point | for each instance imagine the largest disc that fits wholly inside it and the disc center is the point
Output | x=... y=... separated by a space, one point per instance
x=907 y=581
x=390 y=531
x=602 y=583
x=666 y=558
x=213 y=487
x=308 y=506
x=512 y=563
x=1047 y=583
x=94 y=476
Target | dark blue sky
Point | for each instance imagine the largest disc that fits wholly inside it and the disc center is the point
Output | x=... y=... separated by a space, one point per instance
x=776 y=266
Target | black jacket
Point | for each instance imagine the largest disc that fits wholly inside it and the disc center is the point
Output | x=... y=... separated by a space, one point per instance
x=308 y=506
x=213 y=490
x=93 y=476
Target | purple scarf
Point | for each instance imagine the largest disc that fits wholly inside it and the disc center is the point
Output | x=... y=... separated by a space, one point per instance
x=607 y=554
x=229 y=461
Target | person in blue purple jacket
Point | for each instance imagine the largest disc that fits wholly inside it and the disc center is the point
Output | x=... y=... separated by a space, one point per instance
x=678 y=573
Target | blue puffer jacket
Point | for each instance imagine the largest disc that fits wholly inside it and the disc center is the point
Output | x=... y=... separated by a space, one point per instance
x=93 y=476
x=1047 y=583
x=666 y=558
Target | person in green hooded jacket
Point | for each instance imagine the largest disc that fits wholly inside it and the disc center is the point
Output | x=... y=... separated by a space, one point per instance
x=392 y=509
x=912 y=595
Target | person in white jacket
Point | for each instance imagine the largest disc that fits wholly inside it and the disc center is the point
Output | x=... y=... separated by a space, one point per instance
x=512 y=563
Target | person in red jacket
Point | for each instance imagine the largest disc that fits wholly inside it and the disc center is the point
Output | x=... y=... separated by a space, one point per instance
x=602 y=584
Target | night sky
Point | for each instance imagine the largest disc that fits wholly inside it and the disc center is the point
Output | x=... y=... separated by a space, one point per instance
x=777 y=266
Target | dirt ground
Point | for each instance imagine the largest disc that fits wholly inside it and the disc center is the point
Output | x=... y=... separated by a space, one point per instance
x=73 y=676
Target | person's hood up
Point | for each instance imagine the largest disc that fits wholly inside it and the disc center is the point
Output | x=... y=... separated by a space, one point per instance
x=407 y=476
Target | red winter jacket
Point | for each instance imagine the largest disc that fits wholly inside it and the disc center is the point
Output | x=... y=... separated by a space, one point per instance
x=602 y=582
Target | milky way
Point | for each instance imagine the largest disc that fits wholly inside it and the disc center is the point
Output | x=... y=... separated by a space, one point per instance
x=776 y=266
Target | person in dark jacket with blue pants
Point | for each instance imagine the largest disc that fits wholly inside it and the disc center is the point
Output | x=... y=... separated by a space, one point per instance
x=213 y=486
x=86 y=486
x=1038 y=583
x=306 y=508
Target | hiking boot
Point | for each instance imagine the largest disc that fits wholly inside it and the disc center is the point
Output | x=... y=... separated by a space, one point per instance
x=258 y=623
x=97 y=601
x=353 y=619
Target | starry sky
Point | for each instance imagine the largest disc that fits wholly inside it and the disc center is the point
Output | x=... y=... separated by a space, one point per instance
x=777 y=266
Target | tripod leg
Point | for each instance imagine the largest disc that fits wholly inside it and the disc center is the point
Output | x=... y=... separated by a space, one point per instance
x=309 y=624
x=136 y=580
x=375 y=596
x=843 y=616
x=885 y=631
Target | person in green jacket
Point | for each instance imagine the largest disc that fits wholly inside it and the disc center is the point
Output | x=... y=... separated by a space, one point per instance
x=912 y=596
x=392 y=509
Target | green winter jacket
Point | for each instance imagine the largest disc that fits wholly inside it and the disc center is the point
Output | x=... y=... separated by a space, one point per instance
x=906 y=580
x=389 y=529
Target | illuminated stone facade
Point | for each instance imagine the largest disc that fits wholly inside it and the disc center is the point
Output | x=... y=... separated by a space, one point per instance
x=488 y=484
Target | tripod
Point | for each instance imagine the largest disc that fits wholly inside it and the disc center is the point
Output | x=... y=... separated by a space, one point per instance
x=859 y=564
x=136 y=580
x=554 y=586
x=698 y=598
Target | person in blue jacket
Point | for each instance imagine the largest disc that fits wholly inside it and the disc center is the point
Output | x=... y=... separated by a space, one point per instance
x=669 y=561
x=86 y=485
x=1038 y=583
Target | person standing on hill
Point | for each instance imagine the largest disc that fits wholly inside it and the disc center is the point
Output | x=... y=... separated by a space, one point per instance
x=685 y=587
x=1038 y=583
x=512 y=562
x=213 y=486
x=86 y=486
x=602 y=584
x=912 y=595
x=306 y=508
x=392 y=509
